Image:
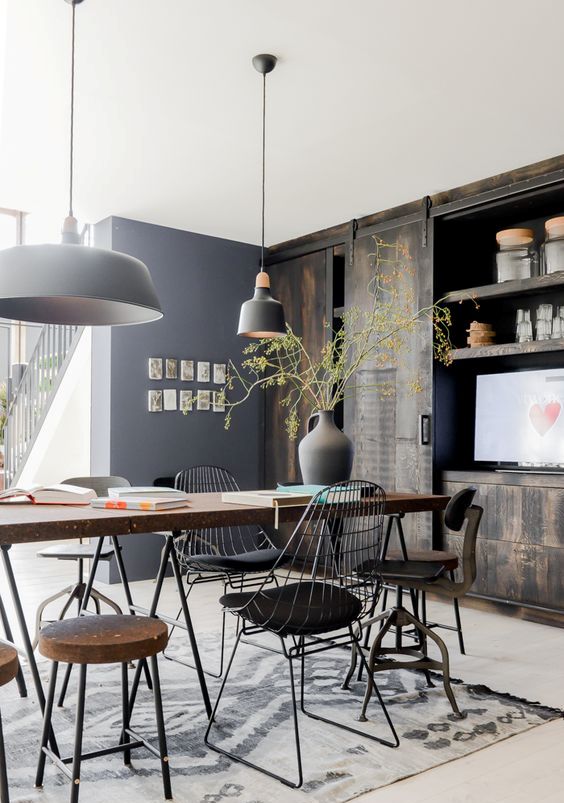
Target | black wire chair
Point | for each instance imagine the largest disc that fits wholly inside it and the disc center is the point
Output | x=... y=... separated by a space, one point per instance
x=327 y=579
x=228 y=554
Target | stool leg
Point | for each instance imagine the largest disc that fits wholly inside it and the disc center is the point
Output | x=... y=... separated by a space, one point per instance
x=125 y=713
x=46 y=724
x=78 y=728
x=64 y=686
x=4 y=794
x=161 y=728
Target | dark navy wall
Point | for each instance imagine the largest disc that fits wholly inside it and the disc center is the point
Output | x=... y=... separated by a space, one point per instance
x=201 y=282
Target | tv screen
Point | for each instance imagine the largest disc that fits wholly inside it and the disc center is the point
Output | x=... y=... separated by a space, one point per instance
x=519 y=418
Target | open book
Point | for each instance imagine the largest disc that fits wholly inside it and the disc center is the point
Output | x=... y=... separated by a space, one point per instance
x=50 y=495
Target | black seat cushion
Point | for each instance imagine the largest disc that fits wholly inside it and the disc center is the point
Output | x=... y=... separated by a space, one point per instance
x=257 y=560
x=297 y=608
x=406 y=570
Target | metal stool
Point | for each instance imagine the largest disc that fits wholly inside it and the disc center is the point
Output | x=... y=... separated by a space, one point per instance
x=103 y=640
x=9 y=668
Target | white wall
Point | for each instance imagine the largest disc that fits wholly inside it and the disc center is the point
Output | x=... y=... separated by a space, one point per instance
x=62 y=448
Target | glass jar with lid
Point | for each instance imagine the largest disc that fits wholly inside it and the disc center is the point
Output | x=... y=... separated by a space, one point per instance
x=516 y=257
x=553 y=248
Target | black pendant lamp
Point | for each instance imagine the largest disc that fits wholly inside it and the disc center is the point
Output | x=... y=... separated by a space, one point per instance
x=71 y=283
x=262 y=316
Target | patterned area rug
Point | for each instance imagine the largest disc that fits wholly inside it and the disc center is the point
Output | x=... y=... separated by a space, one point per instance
x=255 y=719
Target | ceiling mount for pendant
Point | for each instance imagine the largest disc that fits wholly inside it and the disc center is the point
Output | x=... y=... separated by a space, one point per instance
x=263 y=63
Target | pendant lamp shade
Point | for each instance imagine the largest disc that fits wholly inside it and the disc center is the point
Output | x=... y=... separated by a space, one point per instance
x=262 y=316
x=70 y=283
x=75 y=285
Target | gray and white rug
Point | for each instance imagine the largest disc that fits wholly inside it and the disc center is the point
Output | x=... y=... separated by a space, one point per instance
x=255 y=719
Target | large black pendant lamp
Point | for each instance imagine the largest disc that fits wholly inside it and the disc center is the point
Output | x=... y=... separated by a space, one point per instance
x=262 y=315
x=71 y=283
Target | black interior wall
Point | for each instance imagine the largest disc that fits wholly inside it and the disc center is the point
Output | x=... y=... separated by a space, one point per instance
x=201 y=282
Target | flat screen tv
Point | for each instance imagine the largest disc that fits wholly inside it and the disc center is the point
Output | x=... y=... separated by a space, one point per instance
x=520 y=418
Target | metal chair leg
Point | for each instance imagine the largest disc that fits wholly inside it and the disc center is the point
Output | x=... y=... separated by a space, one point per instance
x=64 y=686
x=161 y=728
x=4 y=793
x=458 y=622
x=47 y=714
x=125 y=738
x=97 y=595
x=240 y=759
x=79 y=727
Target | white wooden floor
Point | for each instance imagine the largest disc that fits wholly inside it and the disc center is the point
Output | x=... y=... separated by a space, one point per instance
x=506 y=654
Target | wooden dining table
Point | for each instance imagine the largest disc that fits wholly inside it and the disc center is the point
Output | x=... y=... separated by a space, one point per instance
x=22 y=523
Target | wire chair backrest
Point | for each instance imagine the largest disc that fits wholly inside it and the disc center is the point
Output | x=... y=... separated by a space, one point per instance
x=228 y=540
x=334 y=552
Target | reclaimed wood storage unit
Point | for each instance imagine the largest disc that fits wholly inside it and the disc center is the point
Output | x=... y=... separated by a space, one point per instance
x=451 y=239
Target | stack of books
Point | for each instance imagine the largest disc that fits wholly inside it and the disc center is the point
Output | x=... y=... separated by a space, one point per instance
x=141 y=498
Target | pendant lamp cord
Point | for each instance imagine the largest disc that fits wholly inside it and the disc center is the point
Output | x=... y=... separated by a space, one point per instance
x=263 y=168
x=71 y=171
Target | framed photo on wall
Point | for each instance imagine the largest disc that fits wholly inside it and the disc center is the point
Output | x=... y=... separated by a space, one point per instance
x=155 y=401
x=155 y=368
x=187 y=370
x=169 y=398
x=171 y=368
x=218 y=401
x=219 y=373
x=186 y=401
x=203 y=400
x=203 y=372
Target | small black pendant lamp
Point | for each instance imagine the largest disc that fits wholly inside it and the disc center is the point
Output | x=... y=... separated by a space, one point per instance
x=262 y=316
x=70 y=283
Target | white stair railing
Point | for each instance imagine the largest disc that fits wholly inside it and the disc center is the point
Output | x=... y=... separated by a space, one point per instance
x=33 y=396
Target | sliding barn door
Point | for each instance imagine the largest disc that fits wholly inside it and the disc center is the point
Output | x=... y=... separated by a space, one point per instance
x=301 y=285
x=386 y=426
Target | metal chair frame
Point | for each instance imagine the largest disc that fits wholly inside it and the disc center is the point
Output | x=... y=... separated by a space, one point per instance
x=228 y=540
x=341 y=535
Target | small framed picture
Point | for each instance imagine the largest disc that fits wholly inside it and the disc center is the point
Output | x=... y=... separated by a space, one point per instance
x=187 y=370
x=186 y=401
x=171 y=369
x=155 y=401
x=155 y=368
x=203 y=372
x=203 y=400
x=218 y=401
x=169 y=397
x=219 y=373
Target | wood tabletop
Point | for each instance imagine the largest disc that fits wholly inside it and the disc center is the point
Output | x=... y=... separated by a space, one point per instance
x=22 y=523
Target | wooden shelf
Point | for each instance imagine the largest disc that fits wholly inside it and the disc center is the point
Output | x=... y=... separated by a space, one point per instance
x=508 y=349
x=536 y=284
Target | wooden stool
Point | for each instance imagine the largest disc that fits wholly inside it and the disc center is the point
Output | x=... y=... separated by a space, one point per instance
x=103 y=640
x=9 y=668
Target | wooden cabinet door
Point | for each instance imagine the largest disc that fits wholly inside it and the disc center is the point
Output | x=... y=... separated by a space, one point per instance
x=301 y=285
x=385 y=429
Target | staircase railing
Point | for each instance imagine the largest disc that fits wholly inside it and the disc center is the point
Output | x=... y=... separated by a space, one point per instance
x=33 y=396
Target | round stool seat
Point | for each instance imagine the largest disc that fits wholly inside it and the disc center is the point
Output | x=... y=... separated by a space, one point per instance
x=448 y=559
x=103 y=639
x=9 y=664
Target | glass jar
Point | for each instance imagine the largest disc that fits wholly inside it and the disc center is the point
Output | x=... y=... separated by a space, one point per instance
x=553 y=248
x=516 y=257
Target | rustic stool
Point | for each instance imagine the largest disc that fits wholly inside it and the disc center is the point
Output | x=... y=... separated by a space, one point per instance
x=103 y=640
x=9 y=668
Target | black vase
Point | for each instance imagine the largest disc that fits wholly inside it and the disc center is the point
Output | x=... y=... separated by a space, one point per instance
x=326 y=454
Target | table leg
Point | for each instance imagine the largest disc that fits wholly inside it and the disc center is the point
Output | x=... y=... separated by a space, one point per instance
x=13 y=586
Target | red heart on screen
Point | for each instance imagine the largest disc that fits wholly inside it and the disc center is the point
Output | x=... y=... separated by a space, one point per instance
x=544 y=419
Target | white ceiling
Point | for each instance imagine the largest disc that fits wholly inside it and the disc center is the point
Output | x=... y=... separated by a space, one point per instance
x=373 y=103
